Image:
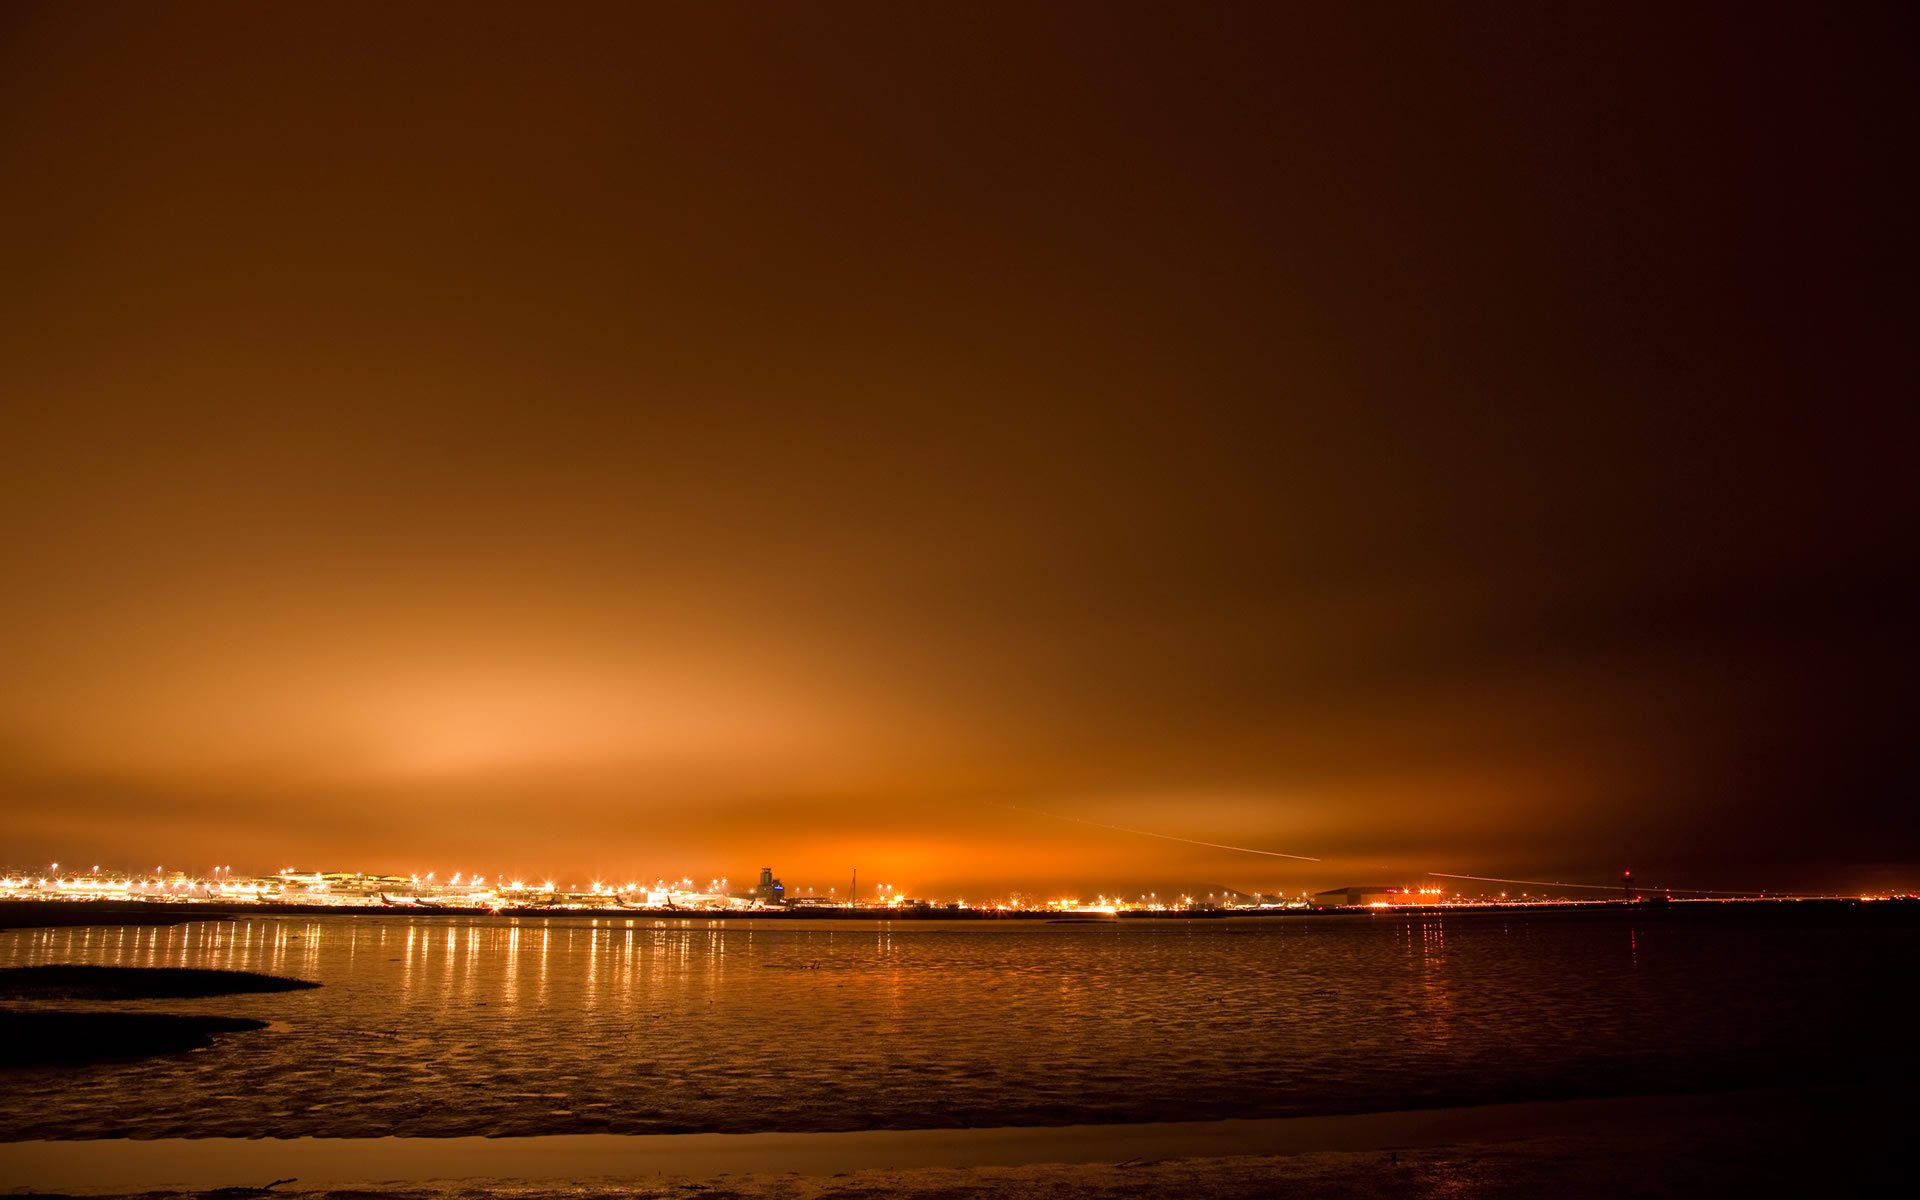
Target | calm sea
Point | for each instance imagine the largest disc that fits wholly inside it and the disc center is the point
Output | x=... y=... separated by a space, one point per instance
x=440 y=1026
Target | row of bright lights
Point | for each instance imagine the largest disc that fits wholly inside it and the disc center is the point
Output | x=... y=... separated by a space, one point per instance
x=887 y=891
x=888 y=894
x=130 y=885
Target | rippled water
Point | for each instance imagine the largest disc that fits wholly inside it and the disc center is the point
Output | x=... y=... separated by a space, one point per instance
x=439 y=1026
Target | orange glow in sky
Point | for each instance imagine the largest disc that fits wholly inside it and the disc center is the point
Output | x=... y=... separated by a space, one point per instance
x=815 y=441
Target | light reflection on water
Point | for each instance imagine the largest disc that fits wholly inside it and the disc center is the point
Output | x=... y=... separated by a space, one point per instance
x=440 y=1025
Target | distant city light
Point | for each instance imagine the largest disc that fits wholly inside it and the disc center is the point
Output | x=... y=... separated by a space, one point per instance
x=470 y=892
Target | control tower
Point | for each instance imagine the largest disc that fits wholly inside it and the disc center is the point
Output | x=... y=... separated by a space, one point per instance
x=769 y=890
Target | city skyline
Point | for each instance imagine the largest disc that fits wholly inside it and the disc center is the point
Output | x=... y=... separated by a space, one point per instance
x=82 y=879
x=294 y=888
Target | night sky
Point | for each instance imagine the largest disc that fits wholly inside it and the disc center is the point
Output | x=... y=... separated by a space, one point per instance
x=644 y=440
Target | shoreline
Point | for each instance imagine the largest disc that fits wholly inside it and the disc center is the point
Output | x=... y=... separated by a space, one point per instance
x=130 y=1165
x=19 y=915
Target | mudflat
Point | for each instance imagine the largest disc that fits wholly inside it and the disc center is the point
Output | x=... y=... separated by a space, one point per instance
x=75 y=981
x=32 y=1039
x=39 y=1037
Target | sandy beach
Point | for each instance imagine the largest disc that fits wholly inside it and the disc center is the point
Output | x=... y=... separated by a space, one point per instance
x=1751 y=1142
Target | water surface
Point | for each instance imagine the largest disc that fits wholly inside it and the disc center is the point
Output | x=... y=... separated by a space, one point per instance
x=443 y=1026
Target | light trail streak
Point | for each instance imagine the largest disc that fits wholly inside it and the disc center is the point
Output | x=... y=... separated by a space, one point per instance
x=1615 y=887
x=1165 y=837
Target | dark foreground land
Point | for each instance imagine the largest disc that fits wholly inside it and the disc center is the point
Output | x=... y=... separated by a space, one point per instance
x=74 y=981
x=33 y=1039
x=44 y=1037
x=1726 y=1144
